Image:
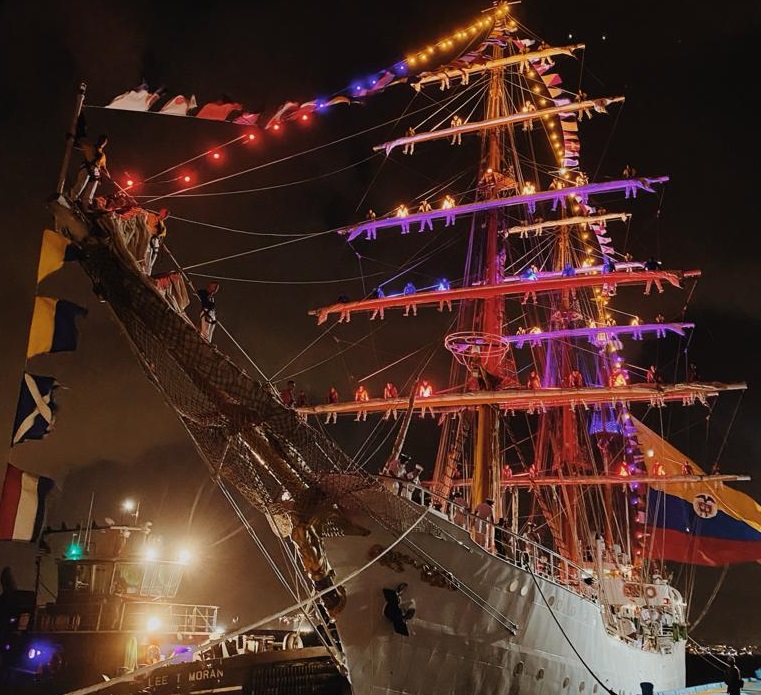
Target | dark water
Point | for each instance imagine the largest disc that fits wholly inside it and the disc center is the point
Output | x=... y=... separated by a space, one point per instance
x=705 y=668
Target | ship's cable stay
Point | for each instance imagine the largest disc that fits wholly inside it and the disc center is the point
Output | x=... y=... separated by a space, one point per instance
x=361 y=458
x=185 y=192
x=599 y=105
x=340 y=353
x=222 y=228
x=273 y=187
x=140 y=673
x=629 y=186
x=455 y=102
x=709 y=601
x=300 y=580
x=594 y=675
x=290 y=283
x=261 y=249
x=510 y=625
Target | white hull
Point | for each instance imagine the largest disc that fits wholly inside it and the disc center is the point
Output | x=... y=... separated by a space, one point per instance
x=456 y=648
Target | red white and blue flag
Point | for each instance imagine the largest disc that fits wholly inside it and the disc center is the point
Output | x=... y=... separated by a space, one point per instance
x=22 y=505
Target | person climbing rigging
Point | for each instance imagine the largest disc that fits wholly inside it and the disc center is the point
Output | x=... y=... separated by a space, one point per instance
x=91 y=170
x=155 y=222
x=288 y=394
x=208 y=310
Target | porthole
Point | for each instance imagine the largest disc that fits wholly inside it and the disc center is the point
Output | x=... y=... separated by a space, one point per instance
x=566 y=681
x=540 y=674
x=513 y=585
x=518 y=669
x=594 y=688
x=550 y=600
x=582 y=685
x=524 y=590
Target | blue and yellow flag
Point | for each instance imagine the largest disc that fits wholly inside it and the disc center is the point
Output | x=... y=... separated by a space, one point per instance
x=54 y=327
x=56 y=250
x=702 y=523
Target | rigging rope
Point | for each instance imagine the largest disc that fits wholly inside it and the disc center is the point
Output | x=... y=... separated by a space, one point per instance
x=137 y=673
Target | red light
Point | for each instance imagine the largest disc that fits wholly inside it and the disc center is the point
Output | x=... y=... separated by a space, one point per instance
x=276 y=126
x=130 y=183
x=186 y=179
x=216 y=155
x=251 y=137
x=304 y=117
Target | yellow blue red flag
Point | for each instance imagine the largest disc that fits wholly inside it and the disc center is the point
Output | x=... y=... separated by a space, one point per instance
x=700 y=523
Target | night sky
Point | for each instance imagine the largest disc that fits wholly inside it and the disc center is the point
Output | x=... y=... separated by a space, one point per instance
x=689 y=78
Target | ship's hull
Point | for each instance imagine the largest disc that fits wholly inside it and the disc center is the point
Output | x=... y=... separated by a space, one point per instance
x=455 y=646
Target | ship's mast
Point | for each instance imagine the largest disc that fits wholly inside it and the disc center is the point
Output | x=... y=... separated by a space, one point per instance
x=487 y=466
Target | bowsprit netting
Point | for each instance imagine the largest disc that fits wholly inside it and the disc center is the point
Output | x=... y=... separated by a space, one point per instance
x=242 y=430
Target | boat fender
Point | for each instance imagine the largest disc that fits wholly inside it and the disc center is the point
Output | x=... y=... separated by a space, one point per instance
x=650 y=592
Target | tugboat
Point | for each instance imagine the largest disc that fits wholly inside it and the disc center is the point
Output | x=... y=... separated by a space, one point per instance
x=116 y=612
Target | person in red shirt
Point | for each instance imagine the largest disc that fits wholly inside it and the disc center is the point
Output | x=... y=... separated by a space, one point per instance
x=390 y=391
x=361 y=396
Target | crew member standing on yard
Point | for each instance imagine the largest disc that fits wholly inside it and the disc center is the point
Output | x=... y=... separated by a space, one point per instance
x=92 y=169
x=332 y=399
x=208 y=310
x=361 y=396
x=390 y=392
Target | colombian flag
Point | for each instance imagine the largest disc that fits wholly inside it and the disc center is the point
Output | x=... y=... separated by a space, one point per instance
x=705 y=523
x=56 y=250
x=22 y=505
x=54 y=327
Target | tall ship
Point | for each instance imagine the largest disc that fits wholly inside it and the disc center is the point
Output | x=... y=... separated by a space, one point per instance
x=526 y=554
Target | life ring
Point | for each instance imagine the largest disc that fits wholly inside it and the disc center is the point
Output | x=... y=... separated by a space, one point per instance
x=650 y=592
x=153 y=654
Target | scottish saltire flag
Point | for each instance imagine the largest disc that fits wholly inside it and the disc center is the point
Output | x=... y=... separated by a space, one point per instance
x=56 y=250
x=22 y=505
x=35 y=412
x=54 y=327
x=704 y=523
